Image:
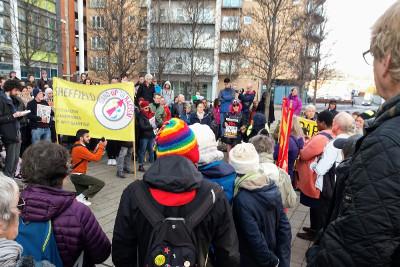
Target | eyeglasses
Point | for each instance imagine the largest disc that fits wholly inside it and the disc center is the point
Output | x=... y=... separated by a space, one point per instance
x=368 y=57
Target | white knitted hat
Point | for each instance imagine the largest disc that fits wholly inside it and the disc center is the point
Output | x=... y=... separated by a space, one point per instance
x=207 y=144
x=244 y=158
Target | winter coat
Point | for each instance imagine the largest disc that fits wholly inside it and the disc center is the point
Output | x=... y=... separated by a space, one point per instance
x=216 y=112
x=235 y=120
x=167 y=112
x=311 y=151
x=367 y=229
x=263 y=227
x=159 y=113
x=281 y=179
x=145 y=128
x=168 y=95
x=261 y=107
x=207 y=119
x=41 y=83
x=295 y=145
x=221 y=173
x=9 y=126
x=75 y=227
x=145 y=92
x=36 y=121
x=247 y=99
x=297 y=104
x=258 y=123
x=178 y=110
x=171 y=180
x=226 y=96
x=186 y=118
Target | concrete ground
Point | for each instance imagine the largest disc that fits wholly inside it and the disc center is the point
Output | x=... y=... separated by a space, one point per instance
x=105 y=206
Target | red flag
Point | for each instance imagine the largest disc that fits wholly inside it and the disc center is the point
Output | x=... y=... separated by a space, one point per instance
x=285 y=130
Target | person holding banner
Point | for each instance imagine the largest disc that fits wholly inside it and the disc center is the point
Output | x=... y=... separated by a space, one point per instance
x=40 y=117
x=234 y=126
x=86 y=186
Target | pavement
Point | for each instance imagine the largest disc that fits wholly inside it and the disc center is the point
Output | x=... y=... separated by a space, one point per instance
x=105 y=205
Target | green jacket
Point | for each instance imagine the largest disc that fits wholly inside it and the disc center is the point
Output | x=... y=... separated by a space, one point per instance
x=159 y=114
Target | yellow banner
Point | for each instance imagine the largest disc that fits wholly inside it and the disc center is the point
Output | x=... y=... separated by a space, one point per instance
x=105 y=110
x=310 y=127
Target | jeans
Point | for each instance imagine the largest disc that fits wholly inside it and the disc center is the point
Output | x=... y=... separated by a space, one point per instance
x=40 y=134
x=86 y=185
x=124 y=159
x=12 y=158
x=146 y=144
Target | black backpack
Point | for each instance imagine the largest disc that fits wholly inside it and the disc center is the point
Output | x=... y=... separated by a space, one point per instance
x=172 y=241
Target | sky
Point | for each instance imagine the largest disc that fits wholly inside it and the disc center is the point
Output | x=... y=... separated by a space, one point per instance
x=349 y=25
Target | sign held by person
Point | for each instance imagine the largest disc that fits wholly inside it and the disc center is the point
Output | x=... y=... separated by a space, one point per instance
x=106 y=110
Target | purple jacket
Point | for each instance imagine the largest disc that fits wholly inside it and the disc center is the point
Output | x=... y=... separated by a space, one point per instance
x=75 y=227
x=297 y=104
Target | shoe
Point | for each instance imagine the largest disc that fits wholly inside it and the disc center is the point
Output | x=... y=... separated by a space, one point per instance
x=306 y=236
x=141 y=168
x=114 y=162
x=109 y=162
x=308 y=230
x=82 y=199
x=128 y=171
x=121 y=175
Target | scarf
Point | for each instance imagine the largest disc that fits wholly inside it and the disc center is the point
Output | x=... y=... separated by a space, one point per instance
x=10 y=252
x=147 y=114
x=200 y=115
x=251 y=181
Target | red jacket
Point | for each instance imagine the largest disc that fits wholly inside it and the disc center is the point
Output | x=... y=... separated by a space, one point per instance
x=167 y=113
x=82 y=153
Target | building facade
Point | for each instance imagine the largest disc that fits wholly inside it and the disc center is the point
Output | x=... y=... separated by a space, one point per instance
x=29 y=39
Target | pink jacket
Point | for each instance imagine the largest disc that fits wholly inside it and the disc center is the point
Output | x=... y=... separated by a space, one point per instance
x=297 y=104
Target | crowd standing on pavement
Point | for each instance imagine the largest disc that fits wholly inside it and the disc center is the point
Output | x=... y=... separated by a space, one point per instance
x=196 y=205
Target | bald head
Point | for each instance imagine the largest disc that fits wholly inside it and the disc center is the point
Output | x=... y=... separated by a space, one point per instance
x=343 y=123
x=249 y=86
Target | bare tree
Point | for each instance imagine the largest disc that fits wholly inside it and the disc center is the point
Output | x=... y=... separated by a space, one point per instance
x=271 y=35
x=232 y=49
x=116 y=37
x=197 y=37
x=165 y=37
x=35 y=43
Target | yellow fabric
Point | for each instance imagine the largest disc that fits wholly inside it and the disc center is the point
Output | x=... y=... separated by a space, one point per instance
x=105 y=110
x=310 y=126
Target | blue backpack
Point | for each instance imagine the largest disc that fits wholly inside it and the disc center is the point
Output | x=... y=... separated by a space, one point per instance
x=38 y=241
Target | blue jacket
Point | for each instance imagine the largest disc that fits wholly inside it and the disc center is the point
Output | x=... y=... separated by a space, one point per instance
x=247 y=99
x=263 y=228
x=207 y=119
x=226 y=96
x=221 y=173
x=186 y=118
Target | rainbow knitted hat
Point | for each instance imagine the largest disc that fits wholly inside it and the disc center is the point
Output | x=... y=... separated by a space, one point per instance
x=176 y=138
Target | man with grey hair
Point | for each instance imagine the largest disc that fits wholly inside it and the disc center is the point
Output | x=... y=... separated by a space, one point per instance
x=366 y=231
x=343 y=127
x=247 y=98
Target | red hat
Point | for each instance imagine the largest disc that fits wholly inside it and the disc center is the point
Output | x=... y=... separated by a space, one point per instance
x=144 y=104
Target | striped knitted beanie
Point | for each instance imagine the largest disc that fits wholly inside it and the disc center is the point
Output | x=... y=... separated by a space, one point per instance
x=176 y=138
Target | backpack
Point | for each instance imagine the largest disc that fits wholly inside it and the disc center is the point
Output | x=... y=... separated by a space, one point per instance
x=38 y=241
x=172 y=241
x=329 y=177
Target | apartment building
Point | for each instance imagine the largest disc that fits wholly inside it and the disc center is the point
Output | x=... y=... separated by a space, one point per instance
x=29 y=40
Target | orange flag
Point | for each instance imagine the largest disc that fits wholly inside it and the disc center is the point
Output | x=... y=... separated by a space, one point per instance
x=285 y=130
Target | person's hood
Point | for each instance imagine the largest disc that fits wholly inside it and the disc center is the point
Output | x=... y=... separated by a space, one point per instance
x=174 y=174
x=231 y=108
x=252 y=181
x=169 y=83
x=266 y=157
x=43 y=203
x=217 y=169
x=10 y=252
x=259 y=120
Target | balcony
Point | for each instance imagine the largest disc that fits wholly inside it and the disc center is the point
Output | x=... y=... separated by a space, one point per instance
x=232 y=4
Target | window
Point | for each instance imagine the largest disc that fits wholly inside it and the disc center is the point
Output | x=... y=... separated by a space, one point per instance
x=2 y=22
x=178 y=63
x=246 y=42
x=98 y=63
x=229 y=45
x=179 y=14
x=247 y=20
x=207 y=15
x=232 y=3
x=97 y=43
x=1 y=6
x=162 y=14
x=227 y=66
x=97 y=3
x=230 y=23
x=98 y=22
x=131 y=18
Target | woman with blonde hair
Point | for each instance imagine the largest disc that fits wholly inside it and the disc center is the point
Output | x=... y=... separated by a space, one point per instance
x=296 y=143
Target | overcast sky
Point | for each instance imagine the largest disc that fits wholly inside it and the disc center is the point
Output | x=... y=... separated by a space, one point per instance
x=350 y=22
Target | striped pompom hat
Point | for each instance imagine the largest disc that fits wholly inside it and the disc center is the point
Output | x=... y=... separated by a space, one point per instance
x=176 y=138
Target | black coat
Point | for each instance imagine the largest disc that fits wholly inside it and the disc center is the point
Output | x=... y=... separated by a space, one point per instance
x=234 y=120
x=9 y=126
x=173 y=174
x=144 y=126
x=36 y=121
x=366 y=231
x=263 y=227
x=207 y=119
x=145 y=92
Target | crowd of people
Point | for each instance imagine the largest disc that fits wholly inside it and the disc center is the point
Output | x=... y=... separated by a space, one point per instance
x=197 y=206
